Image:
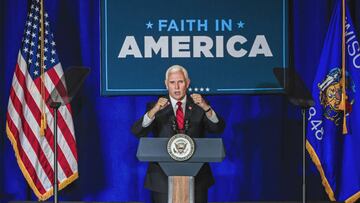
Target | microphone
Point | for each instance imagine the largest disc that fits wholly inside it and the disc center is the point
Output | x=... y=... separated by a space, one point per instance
x=187 y=125
x=173 y=123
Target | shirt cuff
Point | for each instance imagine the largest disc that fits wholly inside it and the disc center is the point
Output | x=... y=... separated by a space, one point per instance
x=147 y=121
x=213 y=117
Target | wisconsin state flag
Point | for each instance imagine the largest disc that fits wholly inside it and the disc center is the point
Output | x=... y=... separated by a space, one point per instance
x=337 y=155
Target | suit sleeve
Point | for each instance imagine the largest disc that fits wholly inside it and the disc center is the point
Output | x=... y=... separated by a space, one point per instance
x=216 y=128
x=138 y=130
x=211 y=127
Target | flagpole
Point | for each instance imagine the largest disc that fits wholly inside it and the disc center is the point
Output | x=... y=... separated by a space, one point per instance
x=42 y=70
x=43 y=117
x=343 y=79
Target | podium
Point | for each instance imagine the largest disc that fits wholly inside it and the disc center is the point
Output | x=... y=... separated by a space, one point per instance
x=181 y=174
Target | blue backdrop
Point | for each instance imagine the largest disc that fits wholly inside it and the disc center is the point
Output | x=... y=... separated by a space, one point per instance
x=262 y=137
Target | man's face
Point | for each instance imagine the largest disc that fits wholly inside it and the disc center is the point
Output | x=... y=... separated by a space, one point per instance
x=177 y=85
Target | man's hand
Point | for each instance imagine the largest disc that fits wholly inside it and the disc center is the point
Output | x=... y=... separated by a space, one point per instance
x=199 y=100
x=160 y=104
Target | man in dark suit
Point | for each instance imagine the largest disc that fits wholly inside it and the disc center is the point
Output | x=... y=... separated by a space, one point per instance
x=198 y=118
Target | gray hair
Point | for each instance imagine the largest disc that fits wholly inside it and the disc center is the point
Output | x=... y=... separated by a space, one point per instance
x=176 y=68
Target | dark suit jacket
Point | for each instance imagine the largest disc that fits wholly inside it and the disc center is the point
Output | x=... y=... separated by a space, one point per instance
x=162 y=126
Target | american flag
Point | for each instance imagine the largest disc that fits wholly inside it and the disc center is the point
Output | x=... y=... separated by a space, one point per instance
x=33 y=151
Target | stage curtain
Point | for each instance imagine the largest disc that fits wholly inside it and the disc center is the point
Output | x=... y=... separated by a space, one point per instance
x=263 y=132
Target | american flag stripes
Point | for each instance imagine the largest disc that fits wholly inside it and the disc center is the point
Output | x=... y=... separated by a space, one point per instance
x=34 y=152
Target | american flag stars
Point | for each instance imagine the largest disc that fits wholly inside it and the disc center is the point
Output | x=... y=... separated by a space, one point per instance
x=32 y=40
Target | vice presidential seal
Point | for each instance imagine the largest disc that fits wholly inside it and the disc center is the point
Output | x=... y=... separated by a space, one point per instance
x=180 y=147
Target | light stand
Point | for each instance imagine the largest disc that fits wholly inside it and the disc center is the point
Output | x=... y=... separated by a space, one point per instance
x=298 y=95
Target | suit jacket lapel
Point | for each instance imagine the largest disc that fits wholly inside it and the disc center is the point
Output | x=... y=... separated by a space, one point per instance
x=170 y=115
x=188 y=108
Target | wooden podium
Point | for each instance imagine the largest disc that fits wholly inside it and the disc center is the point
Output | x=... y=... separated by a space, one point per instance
x=181 y=174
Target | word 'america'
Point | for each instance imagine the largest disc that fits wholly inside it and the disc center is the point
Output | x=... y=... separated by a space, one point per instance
x=195 y=46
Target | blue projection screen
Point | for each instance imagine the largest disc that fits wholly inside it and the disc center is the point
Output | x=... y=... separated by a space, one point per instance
x=228 y=47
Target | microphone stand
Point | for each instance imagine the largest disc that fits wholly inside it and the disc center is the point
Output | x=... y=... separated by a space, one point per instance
x=303 y=112
x=55 y=106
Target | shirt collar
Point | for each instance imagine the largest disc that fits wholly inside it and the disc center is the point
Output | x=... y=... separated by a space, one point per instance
x=174 y=101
